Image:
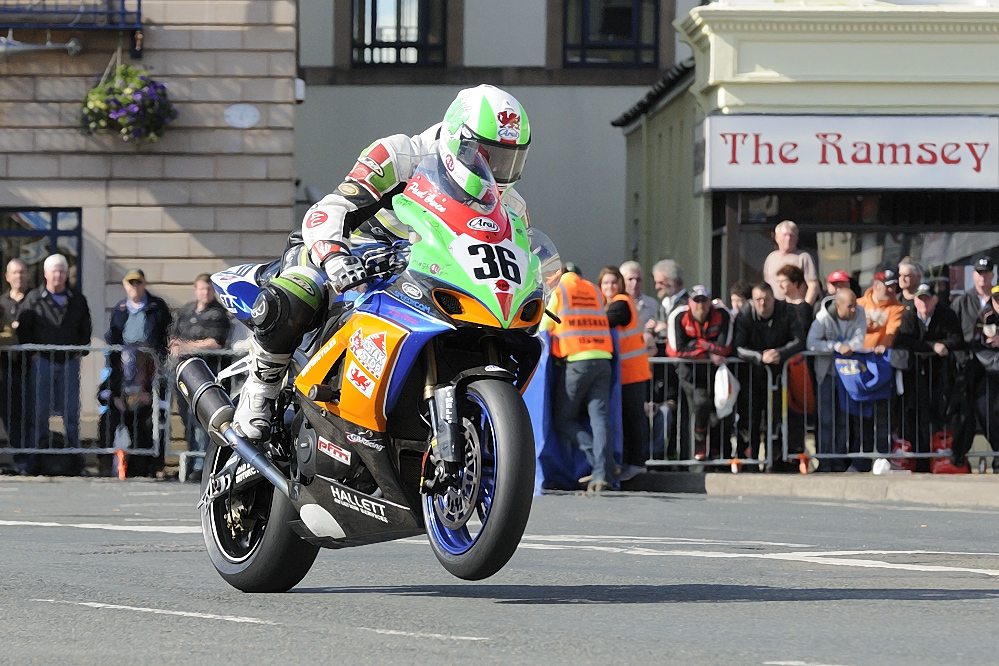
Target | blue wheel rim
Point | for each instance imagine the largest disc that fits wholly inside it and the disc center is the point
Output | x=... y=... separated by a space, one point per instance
x=460 y=541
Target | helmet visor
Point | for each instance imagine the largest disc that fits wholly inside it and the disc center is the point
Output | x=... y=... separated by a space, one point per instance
x=506 y=161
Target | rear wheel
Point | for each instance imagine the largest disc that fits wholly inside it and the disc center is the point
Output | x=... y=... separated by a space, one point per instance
x=248 y=537
x=475 y=529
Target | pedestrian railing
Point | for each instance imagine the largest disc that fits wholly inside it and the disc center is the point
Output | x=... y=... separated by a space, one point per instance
x=59 y=402
x=684 y=428
x=928 y=409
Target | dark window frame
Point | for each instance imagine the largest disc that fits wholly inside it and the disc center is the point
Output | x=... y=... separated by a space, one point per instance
x=585 y=45
x=423 y=46
x=52 y=236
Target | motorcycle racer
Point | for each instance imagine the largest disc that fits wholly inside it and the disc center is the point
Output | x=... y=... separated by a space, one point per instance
x=483 y=121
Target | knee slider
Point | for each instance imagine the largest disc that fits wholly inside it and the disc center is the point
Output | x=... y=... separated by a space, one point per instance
x=285 y=308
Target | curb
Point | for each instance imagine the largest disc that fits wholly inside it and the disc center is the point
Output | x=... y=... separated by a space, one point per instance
x=958 y=491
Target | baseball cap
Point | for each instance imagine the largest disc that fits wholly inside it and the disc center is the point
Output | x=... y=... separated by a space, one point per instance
x=700 y=292
x=888 y=276
x=839 y=276
x=995 y=291
x=984 y=264
x=925 y=289
x=135 y=274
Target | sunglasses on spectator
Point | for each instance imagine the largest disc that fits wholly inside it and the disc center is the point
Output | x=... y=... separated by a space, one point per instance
x=699 y=299
x=135 y=283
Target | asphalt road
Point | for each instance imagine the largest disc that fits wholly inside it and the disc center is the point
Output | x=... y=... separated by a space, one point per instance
x=109 y=572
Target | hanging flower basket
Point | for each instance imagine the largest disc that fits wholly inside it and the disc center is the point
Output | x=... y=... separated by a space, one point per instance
x=127 y=103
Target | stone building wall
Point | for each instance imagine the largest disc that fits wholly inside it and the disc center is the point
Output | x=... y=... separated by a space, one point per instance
x=203 y=197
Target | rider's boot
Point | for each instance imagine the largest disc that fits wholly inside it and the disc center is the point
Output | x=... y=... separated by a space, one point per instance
x=256 y=400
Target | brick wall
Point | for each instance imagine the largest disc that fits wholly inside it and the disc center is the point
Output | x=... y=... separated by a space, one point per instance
x=203 y=197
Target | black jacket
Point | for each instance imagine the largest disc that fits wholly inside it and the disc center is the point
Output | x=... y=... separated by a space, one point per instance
x=42 y=321
x=158 y=320
x=970 y=310
x=782 y=331
x=912 y=336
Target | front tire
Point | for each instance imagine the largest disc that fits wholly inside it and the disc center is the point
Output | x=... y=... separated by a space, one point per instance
x=261 y=553
x=497 y=484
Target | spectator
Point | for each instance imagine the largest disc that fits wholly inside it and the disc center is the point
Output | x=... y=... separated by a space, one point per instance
x=635 y=372
x=740 y=293
x=201 y=325
x=668 y=277
x=836 y=282
x=910 y=273
x=882 y=311
x=767 y=333
x=934 y=389
x=700 y=330
x=970 y=305
x=582 y=347
x=140 y=322
x=792 y=280
x=13 y=369
x=938 y=275
x=986 y=348
x=646 y=306
x=787 y=252
x=838 y=328
x=54 y=314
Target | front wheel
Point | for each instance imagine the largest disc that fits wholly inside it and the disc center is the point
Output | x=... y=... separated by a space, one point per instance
x=475 y=529
x=248 y=537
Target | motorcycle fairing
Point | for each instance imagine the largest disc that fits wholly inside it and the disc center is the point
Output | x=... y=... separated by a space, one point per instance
x=237 y=288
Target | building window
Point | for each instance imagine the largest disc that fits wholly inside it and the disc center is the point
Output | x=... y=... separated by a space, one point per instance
x=34 y=234
x=611 y=33
x=398 y=32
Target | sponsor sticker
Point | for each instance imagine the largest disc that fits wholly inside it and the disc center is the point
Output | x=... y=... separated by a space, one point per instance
x=509 y=121
x=360 y=380
x=301 y=282
x=435 y=269
x=348 y=189
x=360 y=439
x=371 y=164
x=483 y=224
x=427 y=196
x=412 y=290
x=355 y=502
x=411 y=302
x=502 y=285
x=243 y=472
x=315 y=219
x=449 y=163
x=369 y=351
x=335 y=452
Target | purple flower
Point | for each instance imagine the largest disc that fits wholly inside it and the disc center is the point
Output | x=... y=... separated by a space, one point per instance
x=133 y=108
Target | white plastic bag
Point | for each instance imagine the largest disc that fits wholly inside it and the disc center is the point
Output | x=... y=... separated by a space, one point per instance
x=726 y=391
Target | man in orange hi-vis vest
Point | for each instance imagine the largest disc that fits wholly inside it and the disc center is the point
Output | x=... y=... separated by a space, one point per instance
x=582 y=347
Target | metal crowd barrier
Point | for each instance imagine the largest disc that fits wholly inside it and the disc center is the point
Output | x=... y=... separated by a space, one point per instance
x=923 y=401
x=66 y=400
x=673 y=418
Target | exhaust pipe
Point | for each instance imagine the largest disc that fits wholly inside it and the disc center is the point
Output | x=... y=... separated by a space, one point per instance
x=214 y=409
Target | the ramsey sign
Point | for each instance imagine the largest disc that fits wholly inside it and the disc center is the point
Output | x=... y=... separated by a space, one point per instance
x=851 y=152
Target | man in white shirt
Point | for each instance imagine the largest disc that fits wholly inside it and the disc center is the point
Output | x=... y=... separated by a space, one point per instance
x=787 y=252
x=647 y=306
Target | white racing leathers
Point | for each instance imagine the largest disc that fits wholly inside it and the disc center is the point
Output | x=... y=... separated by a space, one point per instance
x=365 y=195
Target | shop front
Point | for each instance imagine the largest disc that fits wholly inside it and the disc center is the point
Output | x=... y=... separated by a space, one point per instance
x=871 y=126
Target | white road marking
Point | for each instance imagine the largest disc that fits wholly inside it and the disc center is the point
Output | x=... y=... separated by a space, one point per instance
x=797 y=663
x=585 y=538
x=164 y=529
x=417 y=634
x=160 y=611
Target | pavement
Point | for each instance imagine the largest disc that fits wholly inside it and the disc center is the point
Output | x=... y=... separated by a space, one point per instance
x=102 y=571
x=971 y=490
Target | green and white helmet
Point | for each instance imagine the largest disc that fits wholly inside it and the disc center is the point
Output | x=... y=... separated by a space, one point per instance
x=490 y=122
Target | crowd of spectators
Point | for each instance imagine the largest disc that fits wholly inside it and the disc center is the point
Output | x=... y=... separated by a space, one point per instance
x=143 y=337
x=890 y=366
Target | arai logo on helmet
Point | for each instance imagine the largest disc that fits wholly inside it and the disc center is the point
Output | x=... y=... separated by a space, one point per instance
x=509 y=121
x=412 y=290
x=482 y=224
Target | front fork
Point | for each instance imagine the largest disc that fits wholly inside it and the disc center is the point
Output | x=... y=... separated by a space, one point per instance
x=442 y=462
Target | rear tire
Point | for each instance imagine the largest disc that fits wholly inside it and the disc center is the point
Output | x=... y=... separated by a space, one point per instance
x=499 y=450
x=268 y=556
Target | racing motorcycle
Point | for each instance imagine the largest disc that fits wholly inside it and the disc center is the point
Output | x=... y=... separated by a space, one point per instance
x=403 y=414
